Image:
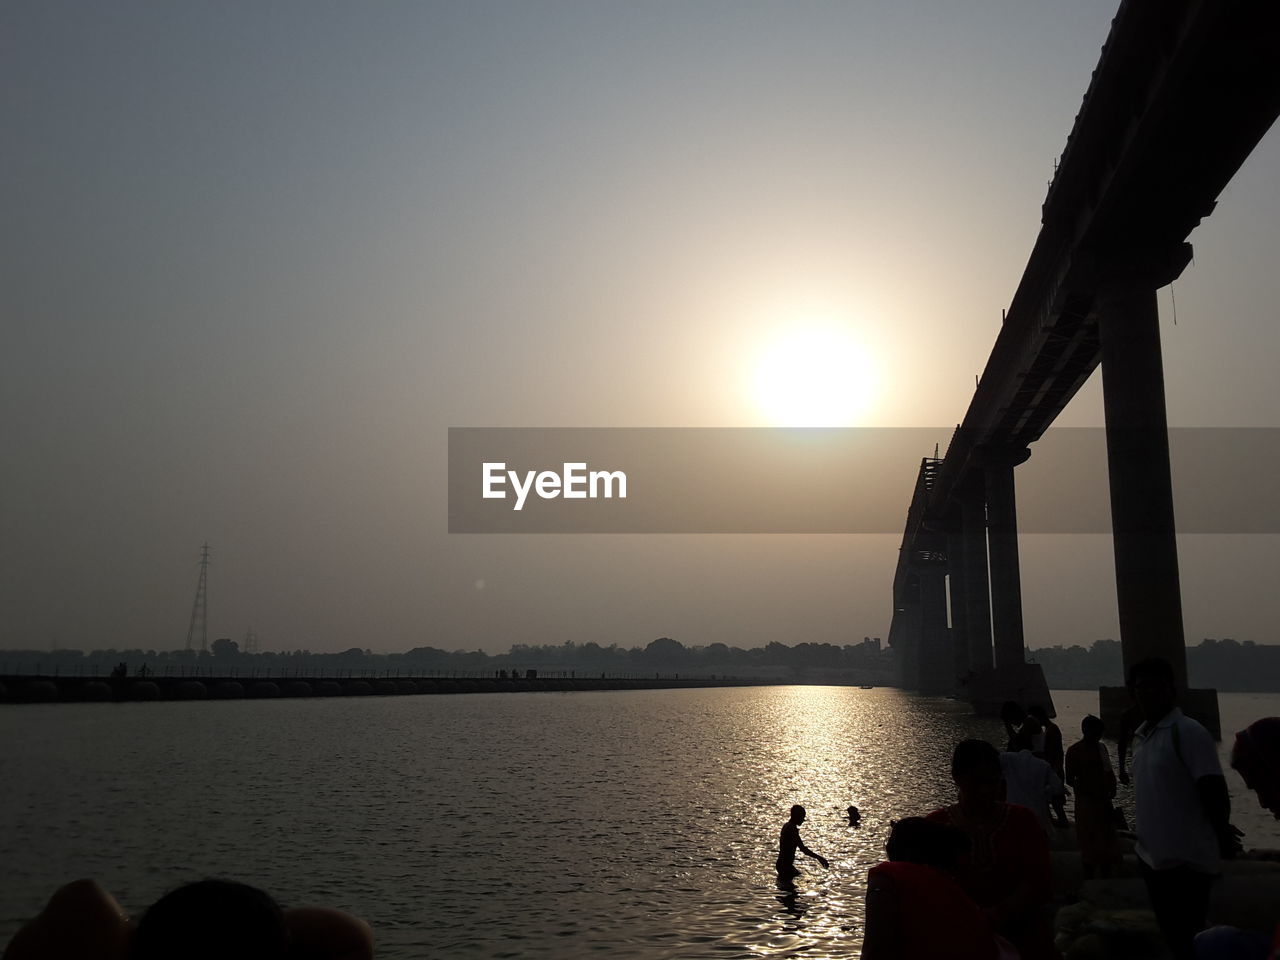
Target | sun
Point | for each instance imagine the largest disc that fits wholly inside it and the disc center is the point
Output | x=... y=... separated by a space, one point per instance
x=814 y=377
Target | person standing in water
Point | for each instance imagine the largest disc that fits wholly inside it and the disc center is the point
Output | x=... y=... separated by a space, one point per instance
x=789 y=842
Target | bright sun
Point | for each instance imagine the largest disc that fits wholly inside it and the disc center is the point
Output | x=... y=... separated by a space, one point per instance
x=814 y=377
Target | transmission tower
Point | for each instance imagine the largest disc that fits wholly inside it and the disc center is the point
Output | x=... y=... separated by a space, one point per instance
x=200 y=608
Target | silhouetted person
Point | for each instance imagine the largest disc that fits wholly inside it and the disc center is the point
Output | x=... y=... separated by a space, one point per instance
x=1256 y=757
x=206 y=920
x=1129 y=721
x=1088 y=769
x=1029 y=780
x=789 y=842
x=1183 y=808
x=80 y=921
x=212 y=920
x=855 y=816
x=1008 y=873
x=1052 y=753
x=915 y=906
x=1012 y=715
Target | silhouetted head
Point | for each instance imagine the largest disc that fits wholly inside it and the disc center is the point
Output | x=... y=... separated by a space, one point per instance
x=854 y=814
x=1025 y=737
x=917 y=840
x=975 y=768
x=1091 y=728
x=1040 y=713
x=1152 y=687
x=1011 y=712
x=1256 y=757
x=212 y=920
x=797 y=814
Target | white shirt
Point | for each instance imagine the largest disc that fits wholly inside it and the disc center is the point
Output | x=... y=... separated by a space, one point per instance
x=1030 y=781
x=1170 y=822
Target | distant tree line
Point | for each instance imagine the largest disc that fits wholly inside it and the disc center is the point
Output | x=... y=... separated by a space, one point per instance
x=1227 y=665
x=866 y=662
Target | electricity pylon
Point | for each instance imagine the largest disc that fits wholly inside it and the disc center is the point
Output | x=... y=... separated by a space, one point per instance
x=200 y=608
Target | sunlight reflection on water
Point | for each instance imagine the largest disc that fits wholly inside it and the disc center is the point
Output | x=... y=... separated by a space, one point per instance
x=641 y=823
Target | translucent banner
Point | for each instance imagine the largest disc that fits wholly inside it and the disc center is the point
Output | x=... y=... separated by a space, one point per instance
x=846 y=481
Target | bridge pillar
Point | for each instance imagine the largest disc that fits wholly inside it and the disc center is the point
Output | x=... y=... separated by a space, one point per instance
x=1002 y=535
x=977 y=597
x=1012 y=678
x=904 y=633
x=955 y=576
x=937 y=661
x=1148 y=592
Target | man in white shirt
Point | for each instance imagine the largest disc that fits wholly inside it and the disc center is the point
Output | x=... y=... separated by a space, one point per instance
x=1029 y=780
x=1183 y=808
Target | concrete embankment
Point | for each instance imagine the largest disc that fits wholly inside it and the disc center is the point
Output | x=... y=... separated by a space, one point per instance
x=53 y=689
x=1111 y=919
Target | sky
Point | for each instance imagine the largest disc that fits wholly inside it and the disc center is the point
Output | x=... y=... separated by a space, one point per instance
x=257 y=258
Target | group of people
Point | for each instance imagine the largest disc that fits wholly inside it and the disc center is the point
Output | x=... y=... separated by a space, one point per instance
x=980 y=871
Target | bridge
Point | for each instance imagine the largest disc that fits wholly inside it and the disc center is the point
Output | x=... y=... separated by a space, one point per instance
x=1181 y=95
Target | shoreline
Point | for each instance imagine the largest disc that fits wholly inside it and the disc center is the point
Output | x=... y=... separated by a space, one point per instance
x=29 y=689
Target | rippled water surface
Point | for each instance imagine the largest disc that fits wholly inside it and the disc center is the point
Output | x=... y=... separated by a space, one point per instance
x=638 y=823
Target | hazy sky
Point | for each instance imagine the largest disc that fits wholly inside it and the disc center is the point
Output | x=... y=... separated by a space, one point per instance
x=257 y=258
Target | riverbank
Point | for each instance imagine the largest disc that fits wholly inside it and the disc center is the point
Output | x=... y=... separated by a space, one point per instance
x=55 y=689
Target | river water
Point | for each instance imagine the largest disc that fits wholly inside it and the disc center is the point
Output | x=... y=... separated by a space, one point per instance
x=641 y=823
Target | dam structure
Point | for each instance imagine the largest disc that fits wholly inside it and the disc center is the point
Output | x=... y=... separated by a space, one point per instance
x=1183 y=92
